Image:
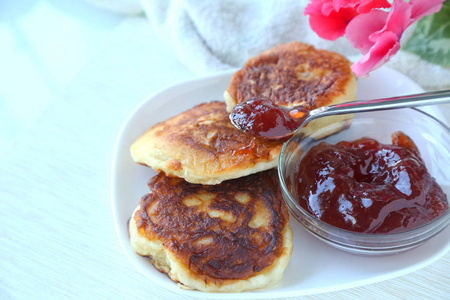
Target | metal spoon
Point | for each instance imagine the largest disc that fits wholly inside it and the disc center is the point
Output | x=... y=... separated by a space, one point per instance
x=266 y=120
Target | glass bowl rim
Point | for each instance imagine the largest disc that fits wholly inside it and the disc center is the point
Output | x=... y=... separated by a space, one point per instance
x=440 y=220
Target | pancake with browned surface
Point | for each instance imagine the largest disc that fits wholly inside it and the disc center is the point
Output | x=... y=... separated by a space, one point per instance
x=295 y=74
x=202 y=146
x=230 y=237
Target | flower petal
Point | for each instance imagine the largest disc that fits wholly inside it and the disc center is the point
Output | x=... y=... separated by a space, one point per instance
x=324 y=20
x=398 y=17
x=421 y=8
x=329 y=28
x=362 y=27
x=366 y=6
x=385 y=47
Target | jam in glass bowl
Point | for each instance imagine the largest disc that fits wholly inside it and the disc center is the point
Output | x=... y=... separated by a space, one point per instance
x=376 y=183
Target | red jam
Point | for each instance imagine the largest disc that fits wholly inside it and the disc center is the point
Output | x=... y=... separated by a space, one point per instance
x=365 y=186
x=260 y=117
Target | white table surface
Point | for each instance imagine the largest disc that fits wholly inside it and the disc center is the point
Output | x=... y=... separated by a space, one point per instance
x=60 y=115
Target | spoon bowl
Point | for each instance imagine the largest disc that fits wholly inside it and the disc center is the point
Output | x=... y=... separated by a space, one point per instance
x=264 y=119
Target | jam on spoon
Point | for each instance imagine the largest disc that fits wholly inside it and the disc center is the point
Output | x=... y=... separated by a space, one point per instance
x=260 y=117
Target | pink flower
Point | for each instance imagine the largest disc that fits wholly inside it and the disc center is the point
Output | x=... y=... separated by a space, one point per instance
x=377 y=34
x=374 y=32
x=329 y=18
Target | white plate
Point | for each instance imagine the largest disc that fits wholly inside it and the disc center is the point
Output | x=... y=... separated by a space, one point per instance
x=314 y=267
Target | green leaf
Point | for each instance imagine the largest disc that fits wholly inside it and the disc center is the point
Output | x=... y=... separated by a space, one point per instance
x=431 y=37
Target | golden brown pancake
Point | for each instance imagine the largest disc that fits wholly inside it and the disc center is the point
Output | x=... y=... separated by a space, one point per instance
x=295 y=74
x=230 y=237
x=202 y=146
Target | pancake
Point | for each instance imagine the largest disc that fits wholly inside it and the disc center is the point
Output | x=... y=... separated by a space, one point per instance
x=295 y=74
x=202 y=146
x=230 y=237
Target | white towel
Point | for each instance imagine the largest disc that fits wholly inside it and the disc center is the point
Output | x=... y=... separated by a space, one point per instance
x=209 y=36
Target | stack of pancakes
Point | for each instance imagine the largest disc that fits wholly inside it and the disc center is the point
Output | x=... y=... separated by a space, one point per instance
x=214 y=219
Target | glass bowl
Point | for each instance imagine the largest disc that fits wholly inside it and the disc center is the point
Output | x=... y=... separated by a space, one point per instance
x=432 y=138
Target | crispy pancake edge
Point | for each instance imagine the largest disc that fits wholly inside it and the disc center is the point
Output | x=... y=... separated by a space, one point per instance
x=165 y=260
x=197 y=163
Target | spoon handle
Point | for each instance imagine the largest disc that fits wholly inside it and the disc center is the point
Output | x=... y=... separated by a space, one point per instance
x=415 y=100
